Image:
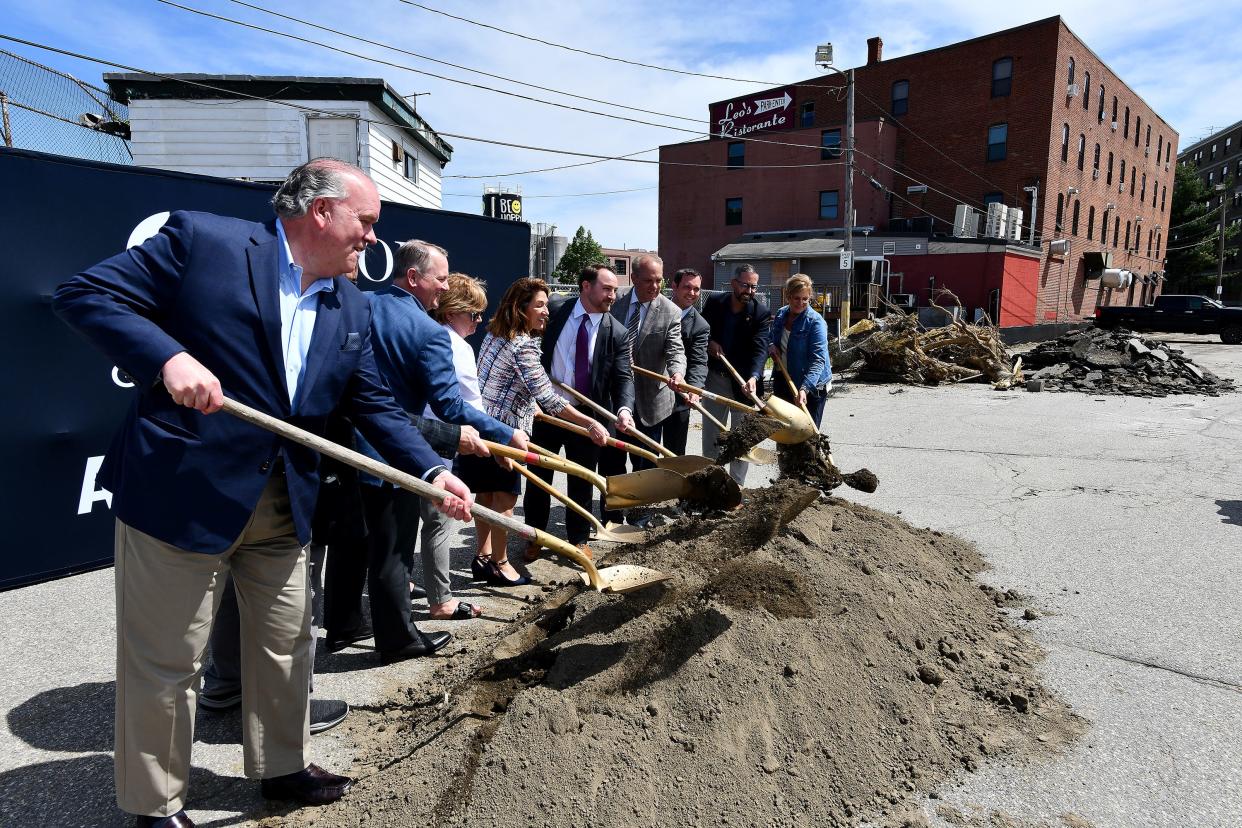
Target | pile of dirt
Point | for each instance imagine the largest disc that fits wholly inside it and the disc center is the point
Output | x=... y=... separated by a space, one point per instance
x=1117 y=361
x=810 y=662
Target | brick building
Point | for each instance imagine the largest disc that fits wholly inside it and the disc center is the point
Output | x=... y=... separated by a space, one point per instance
x=1218 y=160
x=971 y=123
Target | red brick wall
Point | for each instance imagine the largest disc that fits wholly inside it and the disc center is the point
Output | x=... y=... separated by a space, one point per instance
x=950 y=107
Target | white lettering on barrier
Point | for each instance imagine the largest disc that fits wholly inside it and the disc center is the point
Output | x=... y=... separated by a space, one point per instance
x=362 y=263
x=121 y=378
x=91 y=495
x=147 y=228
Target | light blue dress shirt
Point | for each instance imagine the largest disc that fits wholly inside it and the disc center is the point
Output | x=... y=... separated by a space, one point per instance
x=297 y=315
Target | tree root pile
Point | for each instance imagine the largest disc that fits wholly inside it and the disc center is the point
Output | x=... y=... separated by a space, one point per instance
x=810 y=662
x=896 y=348
x=1117 y=361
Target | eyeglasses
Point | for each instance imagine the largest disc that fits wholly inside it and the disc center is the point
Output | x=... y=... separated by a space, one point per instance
x=476 y=316
x=746 y=287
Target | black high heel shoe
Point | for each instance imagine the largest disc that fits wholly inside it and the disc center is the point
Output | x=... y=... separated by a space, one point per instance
x=479 y=568
x=497 y=578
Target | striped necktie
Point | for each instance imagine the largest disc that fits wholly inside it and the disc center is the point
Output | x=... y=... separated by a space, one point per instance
x=632 y=325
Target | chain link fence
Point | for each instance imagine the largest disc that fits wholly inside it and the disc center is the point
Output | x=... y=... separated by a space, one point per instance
x=49 y=111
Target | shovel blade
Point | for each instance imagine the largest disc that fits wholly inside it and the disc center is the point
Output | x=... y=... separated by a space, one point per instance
x=798 y=428
x=687 y=464
x=643 y=487
x=760 y=455
x=627 y=578
x=621 y=533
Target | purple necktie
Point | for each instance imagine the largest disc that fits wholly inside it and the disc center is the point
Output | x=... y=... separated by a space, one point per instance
x=582 y=358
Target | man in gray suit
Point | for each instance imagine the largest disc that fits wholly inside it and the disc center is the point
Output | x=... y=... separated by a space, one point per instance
x=653 y=323
x=695 y=333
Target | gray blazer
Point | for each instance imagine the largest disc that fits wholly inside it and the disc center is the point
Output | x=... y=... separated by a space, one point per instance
x=695 y=334
x=659 y=348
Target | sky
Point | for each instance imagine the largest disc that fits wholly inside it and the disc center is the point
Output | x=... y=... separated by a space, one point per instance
x=1180 y=57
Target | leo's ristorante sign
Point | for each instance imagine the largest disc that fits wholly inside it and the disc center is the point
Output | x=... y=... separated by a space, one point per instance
x=773 y=109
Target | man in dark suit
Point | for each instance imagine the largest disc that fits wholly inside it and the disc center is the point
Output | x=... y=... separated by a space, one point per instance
x=739 y=331
x=211 y=304
x=653 y=324
x=583 y=347
x=415 y=357
x=695 y=333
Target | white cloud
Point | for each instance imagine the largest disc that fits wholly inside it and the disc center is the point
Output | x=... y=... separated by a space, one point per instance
x=1180 y=65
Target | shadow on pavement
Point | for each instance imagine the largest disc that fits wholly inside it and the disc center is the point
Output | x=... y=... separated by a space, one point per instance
x=1230 y=511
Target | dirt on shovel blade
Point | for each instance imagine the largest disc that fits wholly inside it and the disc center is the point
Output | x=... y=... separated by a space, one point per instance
x=811 y=662
x=809 y=462
x=750 y=432
x=713 y=488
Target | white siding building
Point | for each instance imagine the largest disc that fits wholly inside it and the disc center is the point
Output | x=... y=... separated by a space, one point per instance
x=260 y=128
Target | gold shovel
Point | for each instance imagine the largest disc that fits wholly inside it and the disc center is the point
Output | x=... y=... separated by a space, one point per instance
x=615 y=534
x=688 y=464
x=798 y=426
x=620 y=578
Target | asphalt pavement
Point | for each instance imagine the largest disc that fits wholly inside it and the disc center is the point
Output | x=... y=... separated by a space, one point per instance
x=1121 y=517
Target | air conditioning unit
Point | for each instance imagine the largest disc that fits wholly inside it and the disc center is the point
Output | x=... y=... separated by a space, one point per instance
x=1095 y=173
x=1147 y=152
x=1071 y=91
x=1058 y=247
x=965 y=222
x=994 y=228
x=1121 y=188
x=1013 y=224
x=1114 y=126
x=397 y=153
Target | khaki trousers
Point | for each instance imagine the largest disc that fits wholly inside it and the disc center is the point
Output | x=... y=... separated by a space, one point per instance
x=722 y=384
x=165 y=601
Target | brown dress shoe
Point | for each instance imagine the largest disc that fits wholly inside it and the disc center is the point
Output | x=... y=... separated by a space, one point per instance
x=532 y=552
x=177 y=820
x=311 y=786
x=586 y=550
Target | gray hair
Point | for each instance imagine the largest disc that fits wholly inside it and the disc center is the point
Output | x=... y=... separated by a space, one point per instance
x=317 y=178
x=742 y=269
x=644 y=261
x=416 y=254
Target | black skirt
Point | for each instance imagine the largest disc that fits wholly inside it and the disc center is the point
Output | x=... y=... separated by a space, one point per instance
x=483 y=474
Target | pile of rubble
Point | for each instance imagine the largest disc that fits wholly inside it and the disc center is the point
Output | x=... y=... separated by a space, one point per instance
x=896 y=348
x=1117 y=362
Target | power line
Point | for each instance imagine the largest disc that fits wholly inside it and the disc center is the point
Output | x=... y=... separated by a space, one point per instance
x=584 y=51
x=406 y=128
x=553 y=169
x=561 y=195
x=460 y=66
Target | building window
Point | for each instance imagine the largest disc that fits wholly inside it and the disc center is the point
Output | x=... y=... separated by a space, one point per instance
x=901 y=97
x=1100 y=114
x=1116 y=230
x=1169 y=148
x=1159 y=147
x=1138 y=127
x=830 y=143
x=1108 y=178
x=1133 y=181
x=737 y=154
x=411 y=166
x=1164 y=189
x=1086 y=90
x=621 y=266
x=993 y=198
x=1143 y=189
x=1082 y=151
x=1104 y=229
x=733 y=211
x=807 y=117
x=1158 y=234
x=1147 y=140
x=1125 y=130
x=1070 y=78
x=1074 y=220
x=1064 y=143
x=1114 y=109
x=1060 y=211
x=828 y=202
x=998 y=138
x=1212 y=156
x=1002 y=77
x=1211 y=178
x=1090 y=223
x=1095 y=162
x=1127 y=235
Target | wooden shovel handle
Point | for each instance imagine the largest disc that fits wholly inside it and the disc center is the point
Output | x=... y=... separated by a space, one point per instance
x=554 y=462
x=550 y=489
x=611 y=441
x=707 y=395
x=587 y=401
x=707 y=414
x=411 y=483
x=738 y=378
x=793 y=389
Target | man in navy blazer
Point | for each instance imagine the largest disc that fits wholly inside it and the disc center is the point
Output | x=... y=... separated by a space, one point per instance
x=415 y=358
x=213 y=305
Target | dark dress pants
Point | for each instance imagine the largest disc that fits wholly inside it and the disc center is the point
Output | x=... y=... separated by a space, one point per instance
x=392 y=516
x=537 y=504
x=344 y=580
x=676 y=431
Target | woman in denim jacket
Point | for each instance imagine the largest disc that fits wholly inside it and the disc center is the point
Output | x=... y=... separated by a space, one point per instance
x=800 y=336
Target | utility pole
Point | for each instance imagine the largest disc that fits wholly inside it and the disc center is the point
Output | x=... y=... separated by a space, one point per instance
x=4 y=113
x=849 y=199
x=1220 y=260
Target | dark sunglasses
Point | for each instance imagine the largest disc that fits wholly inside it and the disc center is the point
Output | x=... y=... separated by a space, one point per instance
x=476 y=316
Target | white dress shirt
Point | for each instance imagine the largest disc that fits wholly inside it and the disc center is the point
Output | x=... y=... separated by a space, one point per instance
x=298 y=311
x=567 y=347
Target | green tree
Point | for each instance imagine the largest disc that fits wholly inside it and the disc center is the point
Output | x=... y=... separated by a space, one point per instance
x=582 y=251
x=1193 y=246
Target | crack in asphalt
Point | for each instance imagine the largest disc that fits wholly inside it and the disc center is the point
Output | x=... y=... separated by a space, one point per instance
x=1195 y=677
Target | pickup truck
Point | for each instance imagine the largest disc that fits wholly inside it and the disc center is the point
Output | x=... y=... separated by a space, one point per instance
x=1176 y=314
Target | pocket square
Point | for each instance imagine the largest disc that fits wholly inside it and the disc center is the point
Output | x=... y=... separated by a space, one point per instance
x=353 y=341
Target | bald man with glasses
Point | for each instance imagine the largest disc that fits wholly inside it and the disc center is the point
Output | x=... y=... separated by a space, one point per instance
x=739 y=332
